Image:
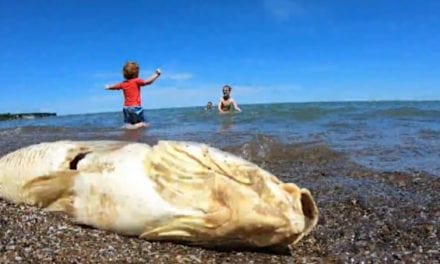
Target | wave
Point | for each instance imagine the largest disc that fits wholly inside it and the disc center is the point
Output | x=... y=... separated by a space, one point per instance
x=264 y=148
x=408 y=112
x=429 y=134
x=10 y=131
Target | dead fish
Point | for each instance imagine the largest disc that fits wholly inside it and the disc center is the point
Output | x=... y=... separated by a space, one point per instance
x=174 y=191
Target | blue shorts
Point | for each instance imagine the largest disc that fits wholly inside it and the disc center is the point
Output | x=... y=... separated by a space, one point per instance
x=133 y=115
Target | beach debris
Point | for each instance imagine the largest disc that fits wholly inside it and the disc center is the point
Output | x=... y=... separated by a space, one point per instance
x=174 y=191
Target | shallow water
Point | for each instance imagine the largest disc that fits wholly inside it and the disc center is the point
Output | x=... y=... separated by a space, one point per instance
x=386 y=136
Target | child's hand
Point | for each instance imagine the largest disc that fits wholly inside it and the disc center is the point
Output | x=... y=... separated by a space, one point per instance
x=158 y=72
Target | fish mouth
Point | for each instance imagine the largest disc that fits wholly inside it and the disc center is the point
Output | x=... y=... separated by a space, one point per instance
x=310 y=209
x=310 y=212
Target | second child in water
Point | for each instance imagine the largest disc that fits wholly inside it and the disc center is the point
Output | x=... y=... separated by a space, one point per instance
x=133 y=111
x=226 y=102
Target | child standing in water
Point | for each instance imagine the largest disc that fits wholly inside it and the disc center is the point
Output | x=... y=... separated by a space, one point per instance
x=133 y=111
x=208 y=106
x=226 y=102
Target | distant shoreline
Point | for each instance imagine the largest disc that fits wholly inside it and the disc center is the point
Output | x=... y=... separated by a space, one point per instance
x=9 y=116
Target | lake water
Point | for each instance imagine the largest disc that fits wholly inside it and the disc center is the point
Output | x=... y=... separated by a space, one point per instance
x=385 y=136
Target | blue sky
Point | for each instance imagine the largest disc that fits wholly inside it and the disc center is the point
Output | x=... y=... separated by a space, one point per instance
x=57 y=55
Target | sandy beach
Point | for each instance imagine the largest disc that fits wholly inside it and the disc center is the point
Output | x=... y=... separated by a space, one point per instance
x=365 y=216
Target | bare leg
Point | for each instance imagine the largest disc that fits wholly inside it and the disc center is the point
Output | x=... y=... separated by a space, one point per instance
x=135 y=126
x=141 y=124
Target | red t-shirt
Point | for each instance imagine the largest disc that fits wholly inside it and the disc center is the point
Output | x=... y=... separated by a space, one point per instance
x=132 y=91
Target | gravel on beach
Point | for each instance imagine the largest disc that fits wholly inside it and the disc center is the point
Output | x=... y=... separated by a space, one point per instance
x=366 y=216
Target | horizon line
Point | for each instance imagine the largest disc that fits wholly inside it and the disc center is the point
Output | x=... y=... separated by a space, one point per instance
x=295 y=102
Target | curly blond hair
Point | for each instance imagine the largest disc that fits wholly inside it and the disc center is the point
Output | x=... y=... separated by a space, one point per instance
x=131 y=70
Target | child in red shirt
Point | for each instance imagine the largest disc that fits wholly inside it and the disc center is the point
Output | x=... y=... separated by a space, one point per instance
x=133 y=112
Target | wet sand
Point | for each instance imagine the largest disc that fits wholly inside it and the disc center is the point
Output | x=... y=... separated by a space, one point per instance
x=365 y=216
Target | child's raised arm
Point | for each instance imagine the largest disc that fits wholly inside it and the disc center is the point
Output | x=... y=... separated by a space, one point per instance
x=153 y=77
x=112 y=87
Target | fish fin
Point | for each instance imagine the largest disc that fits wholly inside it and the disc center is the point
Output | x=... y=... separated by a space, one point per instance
x=53 y=191
x=188 y=161
x=176 y=229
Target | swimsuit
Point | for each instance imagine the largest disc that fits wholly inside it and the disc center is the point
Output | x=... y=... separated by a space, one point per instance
x=133 y=115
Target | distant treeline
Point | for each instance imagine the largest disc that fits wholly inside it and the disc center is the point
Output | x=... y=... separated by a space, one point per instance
x=9 y=116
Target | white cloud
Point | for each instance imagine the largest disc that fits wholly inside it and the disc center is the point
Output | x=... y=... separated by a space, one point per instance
x=284 y=10
x=180 y=76
x=108 y=101
x=266 y=94
x=173 y=96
